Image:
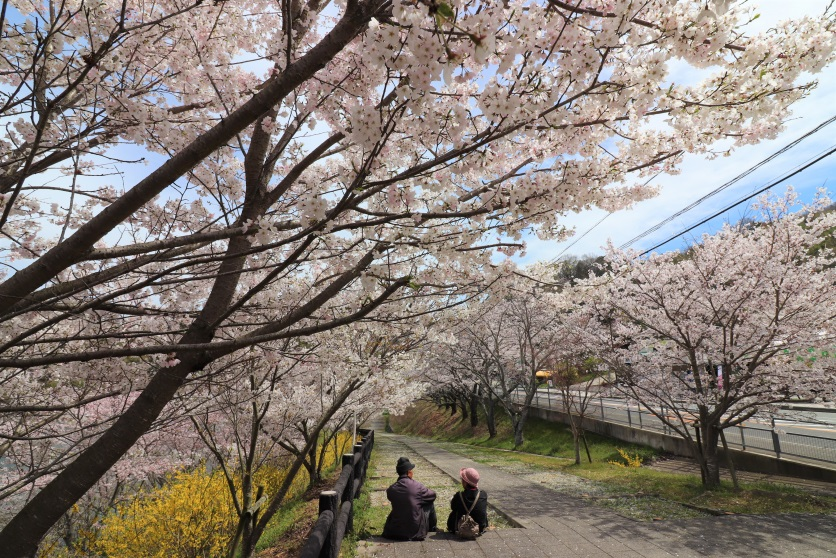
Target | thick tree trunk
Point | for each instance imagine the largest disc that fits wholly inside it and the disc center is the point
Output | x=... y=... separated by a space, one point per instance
x=710 y=437
x=474 y=406
x=707 y=455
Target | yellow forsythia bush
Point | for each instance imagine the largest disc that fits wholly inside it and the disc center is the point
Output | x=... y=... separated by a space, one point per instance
x=629 y=461
x=192 y=515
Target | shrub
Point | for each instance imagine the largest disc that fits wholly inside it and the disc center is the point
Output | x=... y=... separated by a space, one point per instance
x=191 y=515
x=629 y=461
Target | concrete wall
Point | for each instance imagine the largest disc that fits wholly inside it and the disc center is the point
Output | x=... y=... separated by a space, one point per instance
x=743 y=460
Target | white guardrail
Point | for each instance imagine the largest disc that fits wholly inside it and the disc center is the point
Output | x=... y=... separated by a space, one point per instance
x=804 y=441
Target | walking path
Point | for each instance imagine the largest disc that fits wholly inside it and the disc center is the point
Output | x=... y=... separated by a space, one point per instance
x=555 y=524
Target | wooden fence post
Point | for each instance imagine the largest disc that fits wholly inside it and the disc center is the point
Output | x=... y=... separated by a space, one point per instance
x=360 y=469
x=328 y=532
x=348 y=493
x=329 y=501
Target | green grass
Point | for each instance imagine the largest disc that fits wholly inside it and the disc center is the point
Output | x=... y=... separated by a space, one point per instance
x=368 y=519
x=287 y=530
x=638 y=492
x=541 y=437
x=288 y=517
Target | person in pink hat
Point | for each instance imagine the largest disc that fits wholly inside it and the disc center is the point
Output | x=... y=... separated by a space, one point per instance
x=464 y=500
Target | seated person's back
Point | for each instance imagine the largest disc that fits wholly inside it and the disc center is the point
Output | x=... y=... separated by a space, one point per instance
x=464 y=500
x=413 y=511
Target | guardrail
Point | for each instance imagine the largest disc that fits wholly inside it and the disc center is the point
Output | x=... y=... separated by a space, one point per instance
x=769 y=440
x=336 y=507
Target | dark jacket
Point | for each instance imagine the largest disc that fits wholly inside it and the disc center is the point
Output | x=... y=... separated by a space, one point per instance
x=479 y=512
x=407 y=520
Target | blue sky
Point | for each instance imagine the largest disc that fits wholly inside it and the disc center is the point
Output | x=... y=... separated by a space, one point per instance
x=700 y=176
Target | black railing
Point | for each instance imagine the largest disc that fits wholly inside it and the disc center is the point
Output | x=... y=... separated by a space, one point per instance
x=336 y=507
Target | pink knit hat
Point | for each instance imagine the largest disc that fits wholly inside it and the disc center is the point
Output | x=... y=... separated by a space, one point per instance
x=470 y=476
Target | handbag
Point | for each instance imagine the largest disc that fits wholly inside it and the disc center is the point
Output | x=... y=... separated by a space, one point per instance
x=466 y=527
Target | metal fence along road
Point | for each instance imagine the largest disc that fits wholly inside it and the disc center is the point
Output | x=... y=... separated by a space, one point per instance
x=808 y=442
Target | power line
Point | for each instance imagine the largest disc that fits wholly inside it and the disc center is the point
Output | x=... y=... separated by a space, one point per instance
x=593 y=227
x=556 y=258
x=739 y=177
x=812 y=162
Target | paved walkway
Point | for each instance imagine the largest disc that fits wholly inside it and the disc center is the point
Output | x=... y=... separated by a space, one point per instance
x=558 y=525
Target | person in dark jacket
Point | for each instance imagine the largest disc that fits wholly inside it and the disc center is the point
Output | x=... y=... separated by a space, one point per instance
x=470 y=487
x=413 y=507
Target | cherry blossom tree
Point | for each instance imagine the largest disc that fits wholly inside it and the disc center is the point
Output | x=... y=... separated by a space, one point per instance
x=458 y=367
x=287 y=404
x=499 y=342
x=302 y=148
x=575 y=372
x=707 y=338
x=34 y=458
x=448 y=367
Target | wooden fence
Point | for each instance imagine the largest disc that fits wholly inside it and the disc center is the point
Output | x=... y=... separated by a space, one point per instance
x=336 y=507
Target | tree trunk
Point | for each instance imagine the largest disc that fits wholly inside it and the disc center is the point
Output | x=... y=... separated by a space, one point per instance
x=490 y=415
x=698 y=454
x=586 y=446
x=313 y=473
x=730 y=461
x=519 y=425
x=711 y=460
x=576 y=438
x=474 y=416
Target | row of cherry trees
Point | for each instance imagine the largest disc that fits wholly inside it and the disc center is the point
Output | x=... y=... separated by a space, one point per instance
x=313 y=165
x=265 y=408
x=704 y=339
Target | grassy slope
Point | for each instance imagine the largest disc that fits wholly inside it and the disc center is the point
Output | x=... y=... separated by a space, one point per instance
x=288 y=530
x=652 y=494
x=541 y=437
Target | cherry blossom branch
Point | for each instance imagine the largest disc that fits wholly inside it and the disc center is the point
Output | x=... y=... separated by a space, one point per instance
x=64 y=254
x=637 y=21
x=44 y=408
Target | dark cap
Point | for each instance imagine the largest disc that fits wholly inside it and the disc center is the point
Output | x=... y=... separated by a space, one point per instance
x=404 y=465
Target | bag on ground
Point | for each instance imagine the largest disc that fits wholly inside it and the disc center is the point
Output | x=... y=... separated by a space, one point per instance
x=467 y=527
